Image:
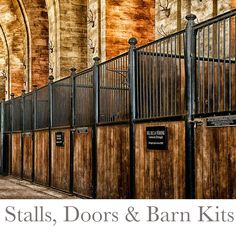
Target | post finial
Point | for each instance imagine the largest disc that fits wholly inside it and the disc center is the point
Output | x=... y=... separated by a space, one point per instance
x=133 y=41
x=35 y=86
x=73 y=69
x=12 y=95
x=191 y=17
x=23 y=91
x=51 y=78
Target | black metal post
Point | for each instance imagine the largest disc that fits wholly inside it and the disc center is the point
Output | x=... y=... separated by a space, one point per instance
x=11 y=130
x=50 y=107
x=2 y=158
x=22 y=130
x=96 y=100
x=132 y=87
x=34 y=120
x=190 y=67
x=72 y=133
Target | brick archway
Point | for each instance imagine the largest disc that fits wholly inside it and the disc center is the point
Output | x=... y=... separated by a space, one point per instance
x=25 y=32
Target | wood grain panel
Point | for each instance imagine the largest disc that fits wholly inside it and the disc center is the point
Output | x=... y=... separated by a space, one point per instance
x=41 y=157
x=27 y=156
x=160 y=173
x=113 y=168
x=16 y=155
x=60 y=163
x=83 y=163
x=215 y=158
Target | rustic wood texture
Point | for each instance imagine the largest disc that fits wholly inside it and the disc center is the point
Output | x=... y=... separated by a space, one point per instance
x=83 y=163
x=160 y=174
x=41 y=157
x=215 y=162
x=16 y=155
x=7 y=142
x=60 y=163
x=113 y=168
x=27 y=156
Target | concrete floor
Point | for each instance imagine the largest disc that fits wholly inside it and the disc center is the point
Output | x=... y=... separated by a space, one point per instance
x=11 y=188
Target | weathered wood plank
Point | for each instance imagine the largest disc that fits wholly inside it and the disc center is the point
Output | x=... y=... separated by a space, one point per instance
x=113 y=161
x=27 y=156
x=162 y=170
x=16 y=155
x=60 y=163
x=41 y=157
x=83 y=163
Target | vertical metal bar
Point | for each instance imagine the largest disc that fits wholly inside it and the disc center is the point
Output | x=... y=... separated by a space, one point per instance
x=218 y=74
x=22 y=125
x=72 y=133
x=145 y=78
x=175 y=81
x=203 y=70
x=34 y=120
x=199 y=74
x=96 y=112
x=208 y=69
x=230 y=69
x=224 y=46
x=11 y=130
x=50 y=124
x=213 y=69
x=190 y=67
x=157 y=82
x=132 y=80
x=160 y=86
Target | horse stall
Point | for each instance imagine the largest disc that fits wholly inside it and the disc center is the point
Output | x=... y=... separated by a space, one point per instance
x=16 y=137
x=160 y=111
x=28 y=137
x=41 y=137
x=215 y=149
x=83 y=134
x=113 y=139
x=61 y=135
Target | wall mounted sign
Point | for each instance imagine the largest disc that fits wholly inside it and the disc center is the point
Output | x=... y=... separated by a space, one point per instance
x=60 y=139
x=157 y=138
x=221 y=121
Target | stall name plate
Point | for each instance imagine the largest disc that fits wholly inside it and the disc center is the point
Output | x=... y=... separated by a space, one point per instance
x=157 y=138
x=221 y=121
x=60 y=139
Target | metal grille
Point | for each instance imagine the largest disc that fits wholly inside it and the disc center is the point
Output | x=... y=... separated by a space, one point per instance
x=160 y=84
x=28 y=112
x=7 y=116
x=17 y=114
x=84 y=105
x=42 y=108
x=215 y=65
x=61 y=107
x=114 y=90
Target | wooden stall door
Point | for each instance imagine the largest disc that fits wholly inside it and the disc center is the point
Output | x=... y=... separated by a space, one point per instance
x=160 y=174
x=60 y=163
x=27 y=156
x=16 y=155
x=215 y=166
x=41 y=157
x=83 y=163
x=113 y=165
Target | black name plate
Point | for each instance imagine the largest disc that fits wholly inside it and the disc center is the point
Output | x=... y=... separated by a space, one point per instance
x=157 y=138
x=221 y=121
x=60 y=139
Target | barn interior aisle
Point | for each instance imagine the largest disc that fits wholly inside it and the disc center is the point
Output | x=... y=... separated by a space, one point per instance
x=11 y=188
x=118 y=99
